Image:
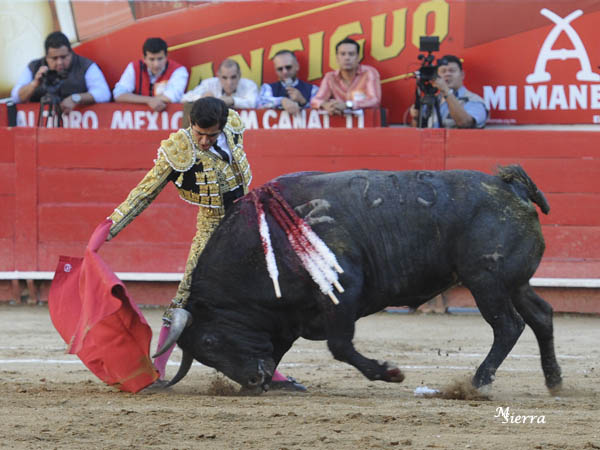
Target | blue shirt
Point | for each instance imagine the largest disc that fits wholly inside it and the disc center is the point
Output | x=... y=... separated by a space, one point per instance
x=473 y=104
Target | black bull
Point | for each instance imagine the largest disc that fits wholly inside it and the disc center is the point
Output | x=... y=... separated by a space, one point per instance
x=401 y=238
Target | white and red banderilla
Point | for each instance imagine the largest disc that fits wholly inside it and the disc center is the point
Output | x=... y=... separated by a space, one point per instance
x=318 y=260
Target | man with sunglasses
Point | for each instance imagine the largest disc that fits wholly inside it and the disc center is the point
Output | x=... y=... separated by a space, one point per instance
x=209 y=168
x=289 y=92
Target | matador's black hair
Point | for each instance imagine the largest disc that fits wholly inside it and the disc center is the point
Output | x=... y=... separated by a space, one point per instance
x=208 y=112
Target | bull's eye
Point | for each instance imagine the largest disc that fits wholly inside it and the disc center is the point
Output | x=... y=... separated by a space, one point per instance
x=209 y=341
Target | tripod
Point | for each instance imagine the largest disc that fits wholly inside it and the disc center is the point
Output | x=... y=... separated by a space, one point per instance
x=50 y=107
x=427 y=103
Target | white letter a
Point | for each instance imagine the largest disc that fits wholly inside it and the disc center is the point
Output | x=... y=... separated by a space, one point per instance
x=546 y=53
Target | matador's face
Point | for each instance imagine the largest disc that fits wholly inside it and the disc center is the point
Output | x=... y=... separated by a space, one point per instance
x=206 y=137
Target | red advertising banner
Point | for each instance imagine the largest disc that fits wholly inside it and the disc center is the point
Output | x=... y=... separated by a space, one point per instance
x=541 y=68
x=532 y=61
x=121 y=116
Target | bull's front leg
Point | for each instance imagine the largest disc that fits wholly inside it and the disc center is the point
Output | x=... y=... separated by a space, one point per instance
x=343 y=350
x=339 y=340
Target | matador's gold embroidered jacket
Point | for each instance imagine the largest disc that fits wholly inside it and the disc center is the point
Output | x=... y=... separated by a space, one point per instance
x=201 y=178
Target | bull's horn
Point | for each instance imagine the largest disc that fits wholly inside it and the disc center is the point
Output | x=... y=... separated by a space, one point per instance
x=186 y=363
x=180 y=319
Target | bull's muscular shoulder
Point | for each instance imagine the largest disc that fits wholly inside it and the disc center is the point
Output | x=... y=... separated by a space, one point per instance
x=234 y=122
x=179 y=150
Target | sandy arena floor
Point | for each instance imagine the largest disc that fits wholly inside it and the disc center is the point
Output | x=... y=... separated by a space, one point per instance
x=50 y=400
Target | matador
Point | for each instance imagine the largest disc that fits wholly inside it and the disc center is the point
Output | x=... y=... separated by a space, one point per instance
x=209 y=168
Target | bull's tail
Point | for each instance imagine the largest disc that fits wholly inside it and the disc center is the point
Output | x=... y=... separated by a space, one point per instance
x=515 y=172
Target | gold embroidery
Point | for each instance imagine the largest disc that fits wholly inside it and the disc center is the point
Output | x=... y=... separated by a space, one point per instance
x=217 y=177
x=179 y=180
x=234 y=122
x=179 y=150
x=207 y=222
x=141 y=196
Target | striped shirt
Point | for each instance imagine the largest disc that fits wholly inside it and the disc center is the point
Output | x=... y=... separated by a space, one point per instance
x=364 y=91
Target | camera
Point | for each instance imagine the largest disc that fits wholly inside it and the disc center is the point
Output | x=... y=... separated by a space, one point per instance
x=426 y=101
x=52 y=80
x=428 y=70
x=50 y=85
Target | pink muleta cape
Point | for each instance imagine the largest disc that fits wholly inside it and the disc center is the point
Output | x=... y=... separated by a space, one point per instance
x=91 y=310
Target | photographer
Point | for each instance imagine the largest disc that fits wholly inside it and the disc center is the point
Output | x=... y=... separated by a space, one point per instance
x=75 y=80
x=458 y=107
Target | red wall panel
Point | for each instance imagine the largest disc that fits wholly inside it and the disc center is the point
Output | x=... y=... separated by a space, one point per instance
x=7 y=149
x=549 y=174
x=275 y=153
x=98 y=149
x=572 y=242
x=7 y=199
x=7 y=179
x=7 y=224
x=26 y=219
x=516 y=143
x=573 y=209
x=62 y=183
x=93 y=185
x=156 y=224
x=7 y=254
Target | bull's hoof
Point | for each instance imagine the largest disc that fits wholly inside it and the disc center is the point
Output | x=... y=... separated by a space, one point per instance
x=393 y=375
x=554 y=387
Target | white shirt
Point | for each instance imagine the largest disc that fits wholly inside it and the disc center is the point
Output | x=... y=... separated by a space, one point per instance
x=173 y=88
x=223 y=145
x=244 y=96
x=94 y=80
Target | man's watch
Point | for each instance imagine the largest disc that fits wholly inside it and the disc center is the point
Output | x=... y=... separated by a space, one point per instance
x=76 y=98
x=349 y=104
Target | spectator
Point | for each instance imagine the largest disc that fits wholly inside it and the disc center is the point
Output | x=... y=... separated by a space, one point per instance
x=209 y=168
x=459 y=107
x=289 y=92
x=82 y=80
x=228 y=85
x=153 y=81
x=352 y=86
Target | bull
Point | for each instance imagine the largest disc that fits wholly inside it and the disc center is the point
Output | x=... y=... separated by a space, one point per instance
x=401 y=238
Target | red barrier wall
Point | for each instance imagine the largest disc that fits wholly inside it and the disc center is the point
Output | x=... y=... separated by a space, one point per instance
x=56 y=185
x=7 y=197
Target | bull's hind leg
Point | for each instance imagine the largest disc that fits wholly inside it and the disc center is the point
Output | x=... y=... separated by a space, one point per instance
x=495 y=306
x=538 y=315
